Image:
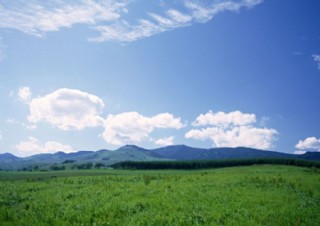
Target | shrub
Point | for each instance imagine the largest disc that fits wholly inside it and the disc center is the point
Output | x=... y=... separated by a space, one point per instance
x=68 y=161
x=147 y=179
x=56 y=167
x=99 y=165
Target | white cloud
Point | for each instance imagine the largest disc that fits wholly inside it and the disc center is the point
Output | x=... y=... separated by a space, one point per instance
x=24 y=94
x=235 y=118
x=165 y=141
x=316 y=58
x=133 y=128
x=107 y=16
x=67 y=109
x=123 y=31
x=232 y=129
x=33 y=146
x=178 y=17
x=204 y=13
x=166 y=120
x=70 y=109
x=242 y=136
x=38 y=17
x=310 y=143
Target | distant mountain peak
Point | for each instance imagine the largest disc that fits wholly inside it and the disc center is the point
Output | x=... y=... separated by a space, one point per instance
x=130 y=146
x=8 y=157
x=7 y=154
x=60 y=153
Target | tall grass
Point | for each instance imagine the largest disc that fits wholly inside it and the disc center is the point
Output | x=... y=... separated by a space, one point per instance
x=255 y=195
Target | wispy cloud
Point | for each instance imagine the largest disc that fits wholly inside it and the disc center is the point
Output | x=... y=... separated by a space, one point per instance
x=107 y=17
x=124 y=31
x=204 y=12
x=37 y=17
x=28 y=126
x=316 y=58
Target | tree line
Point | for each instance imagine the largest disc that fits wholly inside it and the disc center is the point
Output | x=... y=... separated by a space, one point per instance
x=207 y=164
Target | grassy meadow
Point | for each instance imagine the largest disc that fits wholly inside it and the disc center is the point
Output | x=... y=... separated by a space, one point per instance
x=251 y=195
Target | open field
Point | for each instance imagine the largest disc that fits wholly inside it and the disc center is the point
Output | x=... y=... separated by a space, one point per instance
x=252 y=195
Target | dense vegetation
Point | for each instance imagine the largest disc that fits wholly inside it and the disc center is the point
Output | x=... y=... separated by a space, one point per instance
x=254 y=195
x=206 y=164
x=195 y=164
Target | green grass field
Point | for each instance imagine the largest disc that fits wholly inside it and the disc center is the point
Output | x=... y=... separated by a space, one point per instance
x=254 y=195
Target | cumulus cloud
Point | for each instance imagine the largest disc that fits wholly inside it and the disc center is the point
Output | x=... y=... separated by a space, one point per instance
x=165 y=141
x=310 y=143
x=70 y=109
x=242 y=136
x=107 y=17
x=232 y=129
x=235 y=118
x=24 y=94
x=67 y=109
x=133 y=128
x=34 y=146
x=316 y=58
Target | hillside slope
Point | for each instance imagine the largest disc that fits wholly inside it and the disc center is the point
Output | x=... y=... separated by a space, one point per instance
x=182 y=152
x=135 y=153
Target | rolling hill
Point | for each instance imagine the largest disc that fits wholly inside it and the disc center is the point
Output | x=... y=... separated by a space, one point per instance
x=135 y=153
x=182 y=152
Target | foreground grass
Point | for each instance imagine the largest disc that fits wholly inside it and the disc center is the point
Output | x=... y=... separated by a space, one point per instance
x=255 y=195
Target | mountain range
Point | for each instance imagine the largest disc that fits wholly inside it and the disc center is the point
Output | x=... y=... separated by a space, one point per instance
x=134 y=153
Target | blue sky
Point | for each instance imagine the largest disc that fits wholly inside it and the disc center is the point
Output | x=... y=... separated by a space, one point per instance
x=87 y=75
